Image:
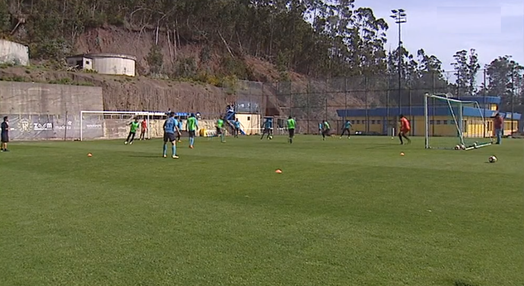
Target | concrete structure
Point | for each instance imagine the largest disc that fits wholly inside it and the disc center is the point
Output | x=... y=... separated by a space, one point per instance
x=116 y=64
x=46 y=111
x=13 y=53
x=249 y=122
x=375 y=121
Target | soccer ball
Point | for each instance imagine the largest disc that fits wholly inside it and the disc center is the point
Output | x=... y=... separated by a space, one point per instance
x=492 y=159
x=462 y=147
x=457 y=147
x=270 y=137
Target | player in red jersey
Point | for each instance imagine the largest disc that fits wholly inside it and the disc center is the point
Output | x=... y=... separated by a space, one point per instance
x=405 y=127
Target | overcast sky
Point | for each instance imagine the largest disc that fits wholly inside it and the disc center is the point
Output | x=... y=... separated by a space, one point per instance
x=442 y=27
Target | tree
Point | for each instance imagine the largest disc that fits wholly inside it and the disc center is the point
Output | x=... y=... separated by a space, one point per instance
x=155 y=60
x=466 y=69
x=504 y=77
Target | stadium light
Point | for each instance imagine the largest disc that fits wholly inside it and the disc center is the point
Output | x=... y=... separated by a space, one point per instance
x=400 y=17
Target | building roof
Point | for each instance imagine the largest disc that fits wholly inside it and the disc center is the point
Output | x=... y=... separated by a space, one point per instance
x=419 y=111
x=103 y=55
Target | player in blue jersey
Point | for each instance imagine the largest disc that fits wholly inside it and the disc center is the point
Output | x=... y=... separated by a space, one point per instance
x=268 y=129
x=347 y=127
x=237 y=127
x=170 y=132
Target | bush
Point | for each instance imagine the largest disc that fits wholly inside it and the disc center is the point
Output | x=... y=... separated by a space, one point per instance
x=186 y=68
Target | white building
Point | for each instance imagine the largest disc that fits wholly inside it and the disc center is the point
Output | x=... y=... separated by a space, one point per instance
x=13 y=53
x=116 y=64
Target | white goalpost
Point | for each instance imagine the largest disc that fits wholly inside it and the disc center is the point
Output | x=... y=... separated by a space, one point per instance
x=454 y=123
x=113 y=124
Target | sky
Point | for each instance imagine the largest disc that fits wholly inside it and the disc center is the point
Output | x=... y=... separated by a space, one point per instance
x=443 y=27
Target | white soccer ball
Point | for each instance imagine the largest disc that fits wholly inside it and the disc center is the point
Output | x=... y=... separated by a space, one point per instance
x=492 y=159
x=462 y=147
x=457 y=147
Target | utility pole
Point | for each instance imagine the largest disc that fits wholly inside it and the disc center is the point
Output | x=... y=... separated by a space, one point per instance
x=400 y=18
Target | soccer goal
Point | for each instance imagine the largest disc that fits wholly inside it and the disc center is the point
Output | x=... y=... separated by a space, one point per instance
x=114 y=124
x=452 y=123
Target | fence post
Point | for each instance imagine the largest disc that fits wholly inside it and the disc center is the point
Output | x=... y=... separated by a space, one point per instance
x=366 y=102
x=345 y=98
x=307 y=106
x=65 y=125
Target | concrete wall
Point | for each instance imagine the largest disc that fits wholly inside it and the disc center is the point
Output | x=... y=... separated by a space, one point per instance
x=114 y=65
x=13 y=53
x=46 y=111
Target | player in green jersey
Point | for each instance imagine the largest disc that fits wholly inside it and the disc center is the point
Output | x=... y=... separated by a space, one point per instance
x=291 y=124
x=132 y=131
x=220 y=129
x=327 y=130
x=192 y=126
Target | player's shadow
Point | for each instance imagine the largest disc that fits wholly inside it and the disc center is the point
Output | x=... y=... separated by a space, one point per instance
x=150 y=156
x=380 y=146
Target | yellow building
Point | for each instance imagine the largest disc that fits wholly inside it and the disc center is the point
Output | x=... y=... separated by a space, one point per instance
x=441 y=123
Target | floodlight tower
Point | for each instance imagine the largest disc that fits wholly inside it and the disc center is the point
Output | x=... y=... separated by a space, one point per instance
x=400 y=17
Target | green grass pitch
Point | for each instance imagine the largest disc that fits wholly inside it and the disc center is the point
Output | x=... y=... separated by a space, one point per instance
x=343 y=212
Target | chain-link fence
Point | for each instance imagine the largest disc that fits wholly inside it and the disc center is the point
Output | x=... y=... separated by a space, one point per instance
x=311 y=101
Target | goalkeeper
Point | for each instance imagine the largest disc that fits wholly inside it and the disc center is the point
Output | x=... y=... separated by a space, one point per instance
x=405 y=127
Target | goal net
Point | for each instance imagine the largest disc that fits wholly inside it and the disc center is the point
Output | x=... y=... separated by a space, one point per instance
x=452 y=123
x=115 y=124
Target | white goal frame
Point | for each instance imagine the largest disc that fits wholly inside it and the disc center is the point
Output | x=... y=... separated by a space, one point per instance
x=458 y=119
x=147 y=114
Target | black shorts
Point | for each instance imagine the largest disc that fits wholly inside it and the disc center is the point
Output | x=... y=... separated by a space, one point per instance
x=237 y=130
x=169 y=137
x=192 y=133
x=219 y=131
x=5 y=137
x=266 y=130
x=291 y=132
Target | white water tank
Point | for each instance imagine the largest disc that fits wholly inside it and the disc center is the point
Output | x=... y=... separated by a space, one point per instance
x=13 y=53
x=105 y=63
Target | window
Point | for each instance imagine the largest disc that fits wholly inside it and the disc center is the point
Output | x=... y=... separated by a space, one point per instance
x=431 y=122
x=438 y=122
x=444 y=122
x=379 y=122
x=88 y=62
x=357 y=121
x=372 y=121
x=249 y=118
